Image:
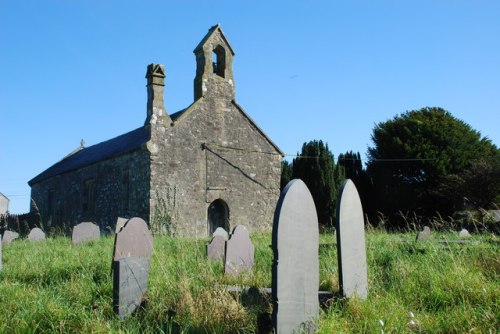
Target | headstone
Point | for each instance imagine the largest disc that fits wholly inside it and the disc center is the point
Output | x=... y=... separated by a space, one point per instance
x=0 y=256
x=295 y=271
x=36 y=234
x=425 y=234
x=9 y=236
x=120 y=222
x=131 y=258
x=239 y=252
x=85 y=232
x=351 y=247
x=464 y=234
x=215 y=249
x=222 y=232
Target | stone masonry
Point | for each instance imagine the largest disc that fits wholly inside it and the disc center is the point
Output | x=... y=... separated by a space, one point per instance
x=210 y=165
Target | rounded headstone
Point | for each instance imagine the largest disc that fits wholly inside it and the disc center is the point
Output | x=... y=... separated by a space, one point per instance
x=295 y=243
x=222 y=232
x=351 y=247
x=85 y=232
x=9 y=236
x=120 y=222
x=239 y=252
x=36 y=234
x=215 y=249
x=425 y=234
x=133 y=240
x=464 y=234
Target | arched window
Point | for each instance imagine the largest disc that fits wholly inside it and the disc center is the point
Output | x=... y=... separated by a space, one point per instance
x=219 y=61
x=218 y=216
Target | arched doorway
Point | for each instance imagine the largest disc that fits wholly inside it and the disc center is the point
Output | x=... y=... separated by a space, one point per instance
x=218 y=216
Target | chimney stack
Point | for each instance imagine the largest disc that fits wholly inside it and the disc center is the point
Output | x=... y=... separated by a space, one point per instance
x=156 y=112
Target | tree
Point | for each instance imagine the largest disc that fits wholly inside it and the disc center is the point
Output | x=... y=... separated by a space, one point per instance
x=415 y=152
x=286 y=173
x=352 y=167
x=316 y=167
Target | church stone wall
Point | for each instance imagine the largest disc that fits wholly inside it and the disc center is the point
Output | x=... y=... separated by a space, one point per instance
x=98 y=193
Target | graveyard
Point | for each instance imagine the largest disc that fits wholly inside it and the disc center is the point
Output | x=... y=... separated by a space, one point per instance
x=430 y=286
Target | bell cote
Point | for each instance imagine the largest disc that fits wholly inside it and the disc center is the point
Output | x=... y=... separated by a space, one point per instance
x=214 y=66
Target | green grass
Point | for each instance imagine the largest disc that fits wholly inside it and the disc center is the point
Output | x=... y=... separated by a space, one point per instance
x=54 y=287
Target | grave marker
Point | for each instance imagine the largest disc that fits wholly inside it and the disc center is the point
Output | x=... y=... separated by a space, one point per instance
x=120 y=222
x=295 y=271
x=215 y=249
x=222 y=232
x=36 y=234
x=1 y=256
x=131 y=257
x=424 y=235
x=464 y=234
x=351 y=247
x=9 y=236
x=85 y=232
x=239 y=252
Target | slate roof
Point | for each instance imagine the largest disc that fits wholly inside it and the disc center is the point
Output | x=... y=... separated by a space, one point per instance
x=125 y=143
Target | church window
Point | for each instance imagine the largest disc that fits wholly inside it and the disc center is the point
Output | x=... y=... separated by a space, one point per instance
x=89 y=196
x=219 y=61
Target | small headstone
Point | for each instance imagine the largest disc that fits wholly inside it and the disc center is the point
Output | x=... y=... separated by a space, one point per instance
x=221 y=232
x=464 y=234
x=295 y=271
x=36 y=234
x=215 y=249
x=9 y=236
x=239 y=252
x=351 y=247
x=425 y=234
x=120 y=222
x=85 y=232
x=133 y=240
x=131 y=258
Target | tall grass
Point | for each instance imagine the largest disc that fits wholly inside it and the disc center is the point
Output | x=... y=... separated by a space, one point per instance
x=54 y=287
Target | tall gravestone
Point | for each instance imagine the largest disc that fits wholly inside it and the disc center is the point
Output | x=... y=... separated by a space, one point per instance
x=351 y=247
x=295 y=271
x=36 y=234
x=216 y=247
x=131 y=258
x=239 y=252
x=9 y=236
x=85 y=232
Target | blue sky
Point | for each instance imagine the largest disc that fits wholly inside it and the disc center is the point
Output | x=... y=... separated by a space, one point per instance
x=304 y=70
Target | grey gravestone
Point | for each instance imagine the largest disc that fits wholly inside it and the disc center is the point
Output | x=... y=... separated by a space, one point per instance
x=130 y=283
x=222 y=232
x=215 y=249
x=351 y=247
x=36 y=234
x=9 y=236
x=295 y=271
x=0 y=256
x=131 y=258
x=424 y=235
x=85 y=232
x=120 y=222
x=239 y=252
x=464 y=234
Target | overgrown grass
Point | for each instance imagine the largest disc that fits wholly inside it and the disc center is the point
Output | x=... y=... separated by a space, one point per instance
x=52 y=286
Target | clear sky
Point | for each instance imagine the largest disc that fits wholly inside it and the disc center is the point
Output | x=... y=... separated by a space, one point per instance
x=304 y=70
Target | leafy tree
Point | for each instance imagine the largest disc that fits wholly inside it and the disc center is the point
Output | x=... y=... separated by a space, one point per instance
x=352 y=167
x=415 y=152
x=316 y=167
x=286 y=173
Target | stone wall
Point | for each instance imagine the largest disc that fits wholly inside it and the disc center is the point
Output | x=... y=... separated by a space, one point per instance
x=99 y=192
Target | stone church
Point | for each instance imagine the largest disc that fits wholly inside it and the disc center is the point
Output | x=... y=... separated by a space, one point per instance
x=205 y=166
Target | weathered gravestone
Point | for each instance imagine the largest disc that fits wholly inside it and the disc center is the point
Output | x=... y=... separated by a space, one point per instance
x=351 y=248
x=295 y=271
x=85 y=232
x=464 y=234
x=120 y=222
x=0 y=256
x=36 y=234
x=239 y=252
x=424 y=235
x=131 y=258
x=215 y=249
x=221 y=232
x=9 y=236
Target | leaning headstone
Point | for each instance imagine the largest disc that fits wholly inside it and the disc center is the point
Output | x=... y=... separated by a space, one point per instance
x=464 y=234
x=36 y=234
x=85 y=232
x=295 y=271
x=215 y=249
x=120 y=222
x=351 y=247
x=221 y=232
x=9 y=236
x=425 y=234
x=131 y=258
x=239 y=252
